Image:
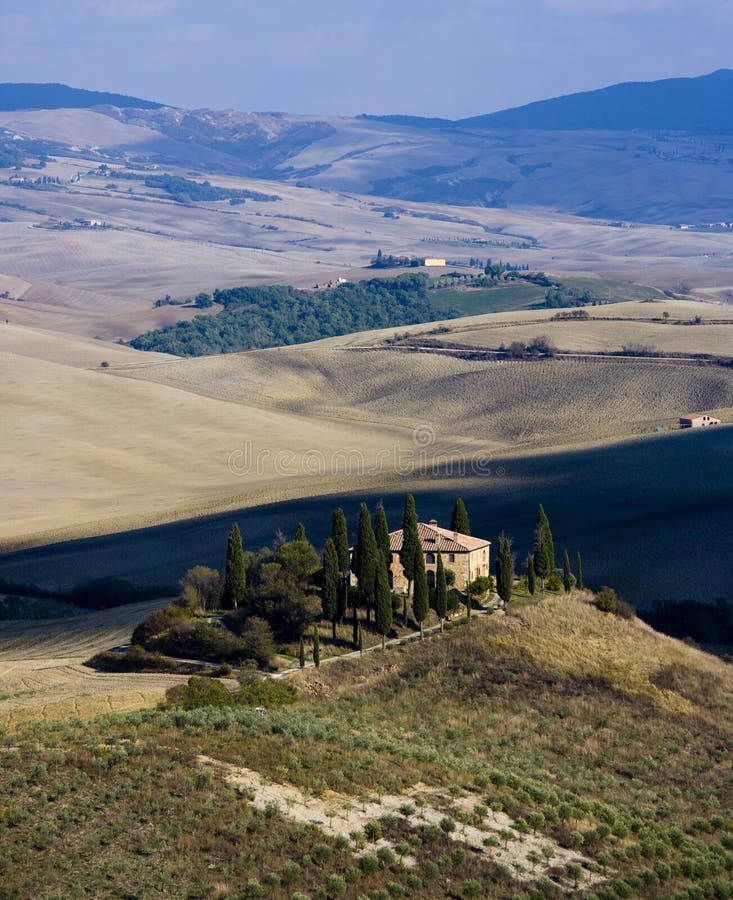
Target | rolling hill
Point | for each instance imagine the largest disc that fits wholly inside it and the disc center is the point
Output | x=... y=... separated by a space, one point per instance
x=702 y=105
x=552 y=751
x=645 y=152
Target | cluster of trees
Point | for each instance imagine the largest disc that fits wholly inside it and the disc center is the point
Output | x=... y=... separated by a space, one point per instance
x=273 y=316
x=388 y=261
x=539 y=565
x=184 y=190
x=538 y=347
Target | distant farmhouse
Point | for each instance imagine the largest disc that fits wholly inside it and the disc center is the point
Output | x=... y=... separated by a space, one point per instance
x=466 y=556
x=698 y=420
x=432 y=261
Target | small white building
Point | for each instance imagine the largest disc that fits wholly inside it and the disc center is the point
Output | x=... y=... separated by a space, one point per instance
x=698 y=420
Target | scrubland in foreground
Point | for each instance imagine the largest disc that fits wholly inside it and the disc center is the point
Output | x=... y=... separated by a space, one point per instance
x=587 y=731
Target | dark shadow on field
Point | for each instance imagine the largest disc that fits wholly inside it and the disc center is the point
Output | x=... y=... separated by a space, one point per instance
x=652 y=517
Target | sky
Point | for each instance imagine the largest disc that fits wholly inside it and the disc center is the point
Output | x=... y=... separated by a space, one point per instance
x=344 y=57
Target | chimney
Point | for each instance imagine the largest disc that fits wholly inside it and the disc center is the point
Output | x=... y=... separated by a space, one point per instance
x=433 y=522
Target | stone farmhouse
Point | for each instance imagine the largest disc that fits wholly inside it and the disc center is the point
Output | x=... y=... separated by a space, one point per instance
x=466 y=556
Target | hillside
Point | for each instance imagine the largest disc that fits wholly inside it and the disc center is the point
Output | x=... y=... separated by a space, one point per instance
x=14 y=96
x=640 y=152
x=555 y=750
x=698 y=105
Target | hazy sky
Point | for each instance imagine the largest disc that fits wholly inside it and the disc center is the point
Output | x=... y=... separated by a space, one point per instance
x=451 y=59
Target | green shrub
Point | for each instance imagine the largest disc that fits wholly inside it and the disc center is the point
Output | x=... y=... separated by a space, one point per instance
x=197 y=693
x=265 y=691
x=136 y=659
x=373 y=831
x=336 y=885
x=471 y=889
x=368 y=863
x=194 y=639
x=608 y=601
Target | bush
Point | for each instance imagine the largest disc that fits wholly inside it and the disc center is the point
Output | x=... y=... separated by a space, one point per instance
x=137 y=659
x=197 y=693
x=258 y=691
x=199 y=640
x=257 y=639
x=553 y=582
x=159 y=622
x=607 y=600
x=368 y=863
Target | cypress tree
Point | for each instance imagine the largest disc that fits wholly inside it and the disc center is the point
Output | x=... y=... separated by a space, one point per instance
x=579 y=573
x=381 y=532
x=544 y=547
x=382 y=601
x=420 y=598
x=366 y=557
x=331 y=584
x=530 y=574
x=360 y=641
x=301 y=653
x=316 y=647
x=567 y=578
x=411 y=547
x=340 y=535
x=234 y=575
x=459 y=519
x=441 y=591
x=341 y=598
x=300 y=534
x=504 y=569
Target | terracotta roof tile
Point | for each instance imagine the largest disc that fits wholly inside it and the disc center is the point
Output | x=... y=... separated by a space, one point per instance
x=432 y=537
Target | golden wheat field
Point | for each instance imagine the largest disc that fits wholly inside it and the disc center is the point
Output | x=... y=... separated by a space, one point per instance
x=505 y=404
x=608 y=329
x=41 y=671
x=152 y=438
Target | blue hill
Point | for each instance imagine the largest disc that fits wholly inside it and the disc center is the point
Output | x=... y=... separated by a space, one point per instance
x=701 y=105
x=61 y=96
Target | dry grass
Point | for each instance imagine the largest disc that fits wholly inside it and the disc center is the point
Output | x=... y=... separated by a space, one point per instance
x=568 y=634
x=504 y=404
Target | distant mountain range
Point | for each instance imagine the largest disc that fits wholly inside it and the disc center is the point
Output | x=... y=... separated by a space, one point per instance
x=657 y=151
x=700 y=105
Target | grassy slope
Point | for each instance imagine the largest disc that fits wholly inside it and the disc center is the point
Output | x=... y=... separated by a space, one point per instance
x=546 y=710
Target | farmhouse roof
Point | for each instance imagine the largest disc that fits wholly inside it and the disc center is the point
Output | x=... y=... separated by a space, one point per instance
x=432 y=537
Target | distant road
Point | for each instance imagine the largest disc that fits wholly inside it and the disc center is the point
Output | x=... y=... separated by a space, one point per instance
x=652 y=517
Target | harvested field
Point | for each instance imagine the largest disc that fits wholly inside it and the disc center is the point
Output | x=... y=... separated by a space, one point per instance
x=607 y=329
x=41 y=671
x=503 y=404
